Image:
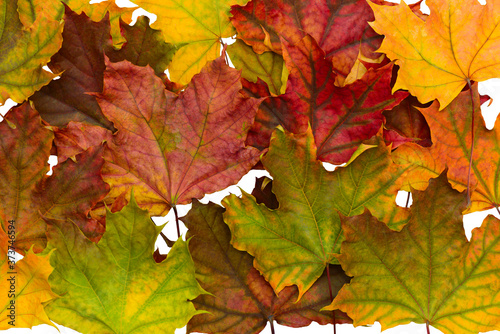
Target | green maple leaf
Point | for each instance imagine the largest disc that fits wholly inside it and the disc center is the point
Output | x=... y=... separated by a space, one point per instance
x=291 y=245
x=428 y=272
x=116 y=286
x=294 y=243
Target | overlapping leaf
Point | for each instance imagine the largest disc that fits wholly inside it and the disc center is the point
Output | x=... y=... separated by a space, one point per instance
x=121 y=289
x=144 y=46
x=451 y=137
x=25 y=49
x=242 y=300
x=340 y=27
x=173 y=143
x=28 y=194
x=81 y=58
x=293 y=244
x=197 y=26
x=97 y=11
x=406 y=124
x=341 y=117
x=268 y=66
x=371 y=181
x=440 y=55
x=434 y=277
x=172 y=148
x=29 y=277
x=76 y=138
x=271 y=113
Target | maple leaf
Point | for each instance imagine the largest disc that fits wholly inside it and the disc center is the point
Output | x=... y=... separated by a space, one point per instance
x=144 y=46
x=242 y=301
x=267 y=66
x=172 y=148
x=97 y=12
x=28 y=194
x=123 y=290
x=438 y=56
x=451 y=149
x=293 y=243
x=25 y=49
x=341 y=117
x=197 y=26
x=405 y=123
x=432 y=273
x=81 y=59
x=30 y=278
x=340 y=27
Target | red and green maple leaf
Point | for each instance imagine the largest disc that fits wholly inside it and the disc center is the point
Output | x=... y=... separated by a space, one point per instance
x=172 y=148
x=340 y=28
x=341 y=117
x=293 y=244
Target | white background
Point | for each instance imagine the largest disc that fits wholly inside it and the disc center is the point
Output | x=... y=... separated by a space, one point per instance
x=490 y=113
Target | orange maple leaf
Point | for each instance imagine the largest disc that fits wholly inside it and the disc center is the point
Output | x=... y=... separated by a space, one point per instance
x=459 y=42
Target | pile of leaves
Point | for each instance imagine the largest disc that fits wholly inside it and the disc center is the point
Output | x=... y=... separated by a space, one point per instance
x=382 y=89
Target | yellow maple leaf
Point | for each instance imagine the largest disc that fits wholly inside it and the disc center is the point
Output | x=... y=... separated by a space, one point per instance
x=25 y=286
x=459 y=41
x=26 y=44
x=197 y=25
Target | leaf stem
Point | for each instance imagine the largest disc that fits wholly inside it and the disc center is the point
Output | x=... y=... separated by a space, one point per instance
x=177 y=221
x=472 y=143
x=271 y=321
x=224 y=51
x=331 y=297
x=427 y=326
x=408 y=199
